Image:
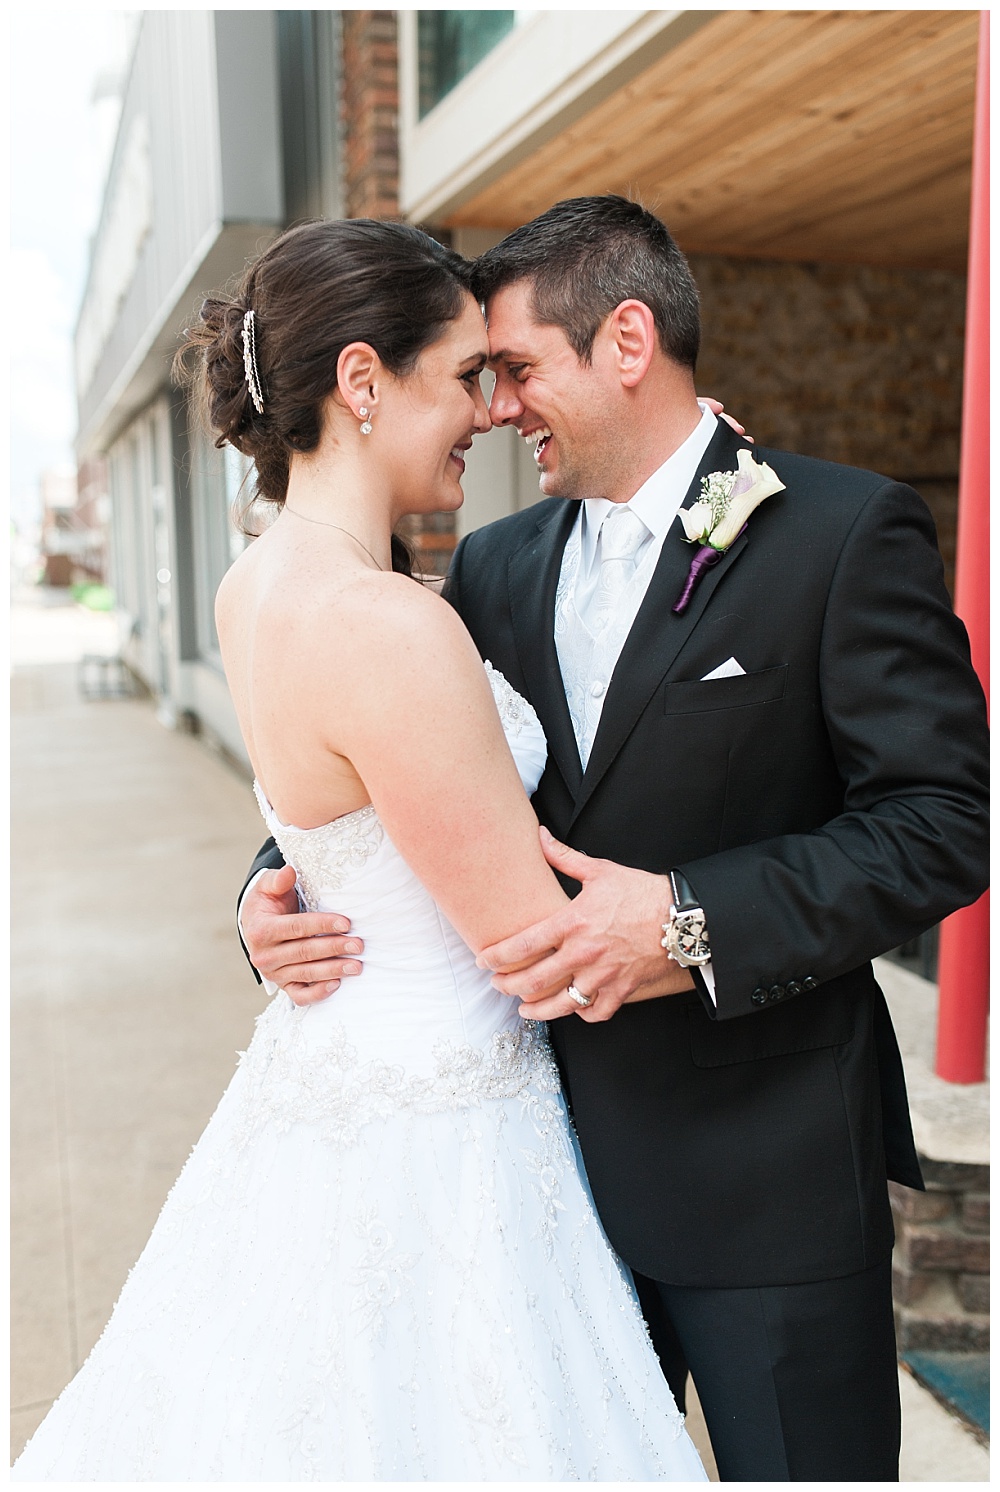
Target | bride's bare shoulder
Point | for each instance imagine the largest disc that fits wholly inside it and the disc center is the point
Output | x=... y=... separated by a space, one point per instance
x=391 y=611
x=235 y=586
x=400 y=654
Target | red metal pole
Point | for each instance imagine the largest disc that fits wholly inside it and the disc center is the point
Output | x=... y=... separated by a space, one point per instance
x=963 y=961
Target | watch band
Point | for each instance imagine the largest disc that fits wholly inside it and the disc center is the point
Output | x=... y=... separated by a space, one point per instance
x=684 y=898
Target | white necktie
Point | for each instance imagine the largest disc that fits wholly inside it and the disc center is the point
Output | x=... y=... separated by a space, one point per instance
x=622 y=532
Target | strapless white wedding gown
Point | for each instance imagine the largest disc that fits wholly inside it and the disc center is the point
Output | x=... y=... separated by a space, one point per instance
x=381 y=1261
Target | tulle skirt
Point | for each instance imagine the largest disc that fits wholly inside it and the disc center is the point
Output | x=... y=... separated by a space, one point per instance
x=409 y=1283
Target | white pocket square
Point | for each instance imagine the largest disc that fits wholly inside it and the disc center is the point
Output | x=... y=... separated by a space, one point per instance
x=728 y=670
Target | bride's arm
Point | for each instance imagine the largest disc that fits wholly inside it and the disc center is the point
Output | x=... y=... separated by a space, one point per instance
x=423 y=734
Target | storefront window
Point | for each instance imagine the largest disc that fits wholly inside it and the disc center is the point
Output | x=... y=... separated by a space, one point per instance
x=450 y=43
x=210 y=531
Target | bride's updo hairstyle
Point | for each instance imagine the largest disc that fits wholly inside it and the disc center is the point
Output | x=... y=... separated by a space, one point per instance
x=316 y=289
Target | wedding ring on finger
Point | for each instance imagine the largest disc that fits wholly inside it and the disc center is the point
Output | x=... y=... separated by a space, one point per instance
x=582 y=1000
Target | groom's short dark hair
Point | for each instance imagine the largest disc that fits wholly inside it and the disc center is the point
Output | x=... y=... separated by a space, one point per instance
x=584 y=257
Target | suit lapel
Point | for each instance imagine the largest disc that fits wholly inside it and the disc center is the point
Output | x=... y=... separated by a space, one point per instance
x=533 y=575
x=657 y=634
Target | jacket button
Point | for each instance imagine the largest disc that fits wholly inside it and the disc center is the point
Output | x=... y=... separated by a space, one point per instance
x=776 y=992
x=810 y=983
x=793 y=987
x=759 y=996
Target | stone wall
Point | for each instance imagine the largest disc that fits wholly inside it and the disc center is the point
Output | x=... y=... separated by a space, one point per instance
x=850 y=363
x=941 y=1262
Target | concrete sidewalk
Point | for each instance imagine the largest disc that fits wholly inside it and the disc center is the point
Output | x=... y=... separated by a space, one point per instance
x=130 y=998
x=130 y=995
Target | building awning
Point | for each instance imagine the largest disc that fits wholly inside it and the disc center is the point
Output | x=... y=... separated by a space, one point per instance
x=839 y=136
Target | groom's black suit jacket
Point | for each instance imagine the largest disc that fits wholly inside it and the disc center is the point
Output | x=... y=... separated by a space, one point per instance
x=826 y=805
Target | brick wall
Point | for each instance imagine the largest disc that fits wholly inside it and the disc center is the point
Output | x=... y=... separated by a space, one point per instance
x=369 y=114
x=432 y=539
x=851 y=363
x=941 y=1262
x=370 y=124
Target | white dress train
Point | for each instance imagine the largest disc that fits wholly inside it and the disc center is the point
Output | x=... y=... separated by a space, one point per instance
x=381 y=1260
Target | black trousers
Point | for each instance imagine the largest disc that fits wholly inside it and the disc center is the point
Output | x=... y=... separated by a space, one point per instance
x=797 y=1382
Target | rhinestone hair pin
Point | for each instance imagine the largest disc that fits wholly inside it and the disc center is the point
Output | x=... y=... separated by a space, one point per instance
x=250 y=362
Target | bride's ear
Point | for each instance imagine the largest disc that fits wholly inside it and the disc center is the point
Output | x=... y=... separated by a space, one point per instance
x=358 y=370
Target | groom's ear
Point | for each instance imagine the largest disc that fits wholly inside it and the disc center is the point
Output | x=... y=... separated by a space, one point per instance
x=632 y=331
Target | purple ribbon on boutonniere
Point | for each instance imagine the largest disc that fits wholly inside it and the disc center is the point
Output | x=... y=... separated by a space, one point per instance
x=719 y=517
x=704 y=559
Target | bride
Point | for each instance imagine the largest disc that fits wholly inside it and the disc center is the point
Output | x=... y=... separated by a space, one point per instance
x=381 y=1261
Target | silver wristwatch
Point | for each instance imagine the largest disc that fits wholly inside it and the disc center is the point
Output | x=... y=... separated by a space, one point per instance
x=685 y=936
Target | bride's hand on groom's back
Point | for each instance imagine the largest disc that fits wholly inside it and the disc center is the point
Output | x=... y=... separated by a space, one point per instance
x=719 y=410
x=306 y=953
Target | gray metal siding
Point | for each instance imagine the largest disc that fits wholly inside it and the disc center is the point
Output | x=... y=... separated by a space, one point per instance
x=249 y=116
x=172 y=84
x=213 y=127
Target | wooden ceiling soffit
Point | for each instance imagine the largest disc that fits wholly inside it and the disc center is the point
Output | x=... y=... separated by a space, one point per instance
x=843 y=136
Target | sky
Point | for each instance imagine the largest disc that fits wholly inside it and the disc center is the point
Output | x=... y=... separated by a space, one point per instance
x=64 y=66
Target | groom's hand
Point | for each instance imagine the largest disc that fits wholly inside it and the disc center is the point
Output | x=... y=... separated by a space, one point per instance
x=306 y=953
x=606 y=943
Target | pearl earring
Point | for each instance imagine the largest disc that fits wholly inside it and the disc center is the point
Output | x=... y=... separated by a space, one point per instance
x=366 y=428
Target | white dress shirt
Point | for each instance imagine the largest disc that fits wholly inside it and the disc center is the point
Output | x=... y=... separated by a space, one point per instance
x=657 y=503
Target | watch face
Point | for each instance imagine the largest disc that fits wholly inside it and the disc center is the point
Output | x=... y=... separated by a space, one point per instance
x=690 y=936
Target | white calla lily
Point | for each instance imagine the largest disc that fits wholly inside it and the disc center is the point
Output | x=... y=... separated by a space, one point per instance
x=755 y=481
x=697 y=520
x=727 y=500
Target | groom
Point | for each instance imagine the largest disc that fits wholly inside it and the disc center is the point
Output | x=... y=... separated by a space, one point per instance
x=782 y=778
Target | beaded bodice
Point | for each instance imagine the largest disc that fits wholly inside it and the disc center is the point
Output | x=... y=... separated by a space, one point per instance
x=420 y=1007
x=326 y=857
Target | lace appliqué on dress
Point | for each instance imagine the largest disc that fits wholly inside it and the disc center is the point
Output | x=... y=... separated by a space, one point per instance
x=514 y=710
x=291 y=1080
x=382 y=1273
x=325 y=857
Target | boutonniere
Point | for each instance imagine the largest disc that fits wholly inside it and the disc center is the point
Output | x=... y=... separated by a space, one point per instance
x=720 y=515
